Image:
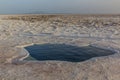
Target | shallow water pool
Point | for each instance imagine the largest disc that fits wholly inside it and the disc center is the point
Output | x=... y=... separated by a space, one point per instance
x=64 y=52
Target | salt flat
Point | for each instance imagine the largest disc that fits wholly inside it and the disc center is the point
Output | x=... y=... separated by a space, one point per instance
x=19 y=31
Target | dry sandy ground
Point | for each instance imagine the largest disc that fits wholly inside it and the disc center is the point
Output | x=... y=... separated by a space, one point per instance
x=101 y=31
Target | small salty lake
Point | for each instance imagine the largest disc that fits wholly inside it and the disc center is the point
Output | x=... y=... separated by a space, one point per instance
x=64 y=52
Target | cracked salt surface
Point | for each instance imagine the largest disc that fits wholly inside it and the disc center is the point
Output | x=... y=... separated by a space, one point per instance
x=71 y=36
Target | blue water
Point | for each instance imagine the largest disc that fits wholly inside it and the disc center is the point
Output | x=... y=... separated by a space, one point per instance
x=63 y=52
x=59 y=6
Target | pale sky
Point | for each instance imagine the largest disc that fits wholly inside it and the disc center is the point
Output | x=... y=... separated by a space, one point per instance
x=60 y=6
